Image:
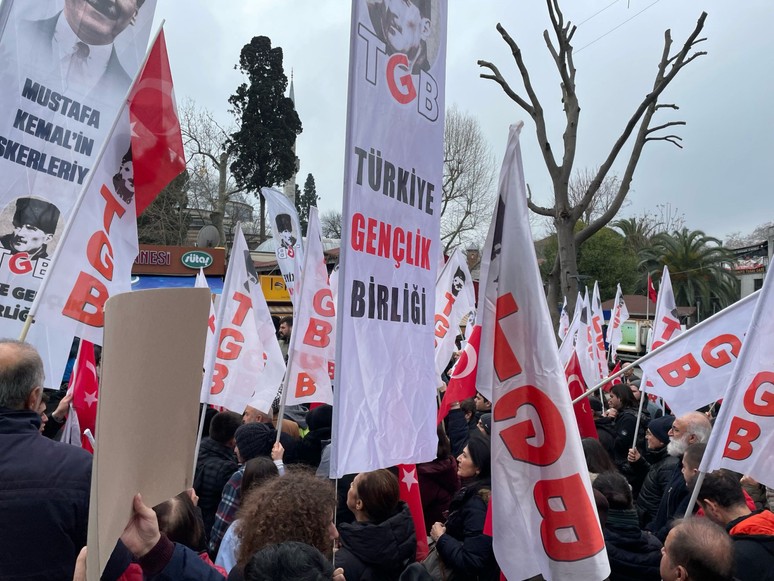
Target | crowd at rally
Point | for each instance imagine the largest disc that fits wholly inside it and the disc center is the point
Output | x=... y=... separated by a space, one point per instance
x=266 y=509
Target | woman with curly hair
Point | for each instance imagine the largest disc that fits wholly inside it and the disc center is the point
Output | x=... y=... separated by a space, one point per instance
x=381 y=542
x=296 y=507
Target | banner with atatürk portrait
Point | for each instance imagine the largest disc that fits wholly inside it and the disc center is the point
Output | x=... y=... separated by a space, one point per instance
x=65 y=69
x=384 y=412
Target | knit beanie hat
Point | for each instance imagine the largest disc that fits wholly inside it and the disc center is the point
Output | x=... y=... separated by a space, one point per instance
x=255 y=439
x=486 y=421
x=660 y=427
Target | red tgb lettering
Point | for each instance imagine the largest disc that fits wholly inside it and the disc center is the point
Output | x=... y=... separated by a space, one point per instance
x=672 y=325
x=506 y=364
x=759 y=401
x=570 y=530
x=716 y=353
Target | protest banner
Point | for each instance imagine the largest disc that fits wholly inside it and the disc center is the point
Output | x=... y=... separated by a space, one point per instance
x=312 y=345
x=619 y=314
x=564 y=321
x=694 y=369
x=454 y=298
x=540 y=483
x=385 y=396
x=99 y=243
x=743 y=434
x=148 y=408
x=245 y=366
x=286 y=231
x=63 y=79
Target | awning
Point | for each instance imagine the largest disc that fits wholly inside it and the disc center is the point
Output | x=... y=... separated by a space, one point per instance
x=144 y=282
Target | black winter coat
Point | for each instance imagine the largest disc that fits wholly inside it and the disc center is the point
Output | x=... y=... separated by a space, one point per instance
x=657 y=467
x=377 y=552
x=214 y=467
x=44 y=501
x=438 y=482
x=673 y=504
x=753 y=537
x=633 y=554
x=464 y=547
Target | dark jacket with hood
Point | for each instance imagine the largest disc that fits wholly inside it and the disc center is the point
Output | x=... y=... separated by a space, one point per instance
x=753 y=537
x=438 y=482
x=633 y=554
x=44 y=500
x=377 y=551
x=214 y=467
x=657 y=467
x=464 y=547
x=673 y=503
x=309 y=449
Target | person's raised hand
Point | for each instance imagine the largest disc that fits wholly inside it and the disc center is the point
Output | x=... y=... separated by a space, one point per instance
x=338 y=575
x=277 y=451
x=142 y=531
x=633 y=455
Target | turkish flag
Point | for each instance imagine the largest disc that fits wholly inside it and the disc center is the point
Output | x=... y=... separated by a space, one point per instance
x=157 y=145
x=409 y=493
x=462 y=383
x=85 y=388
x=609 y=385
x=651 y=290
x=583 y=414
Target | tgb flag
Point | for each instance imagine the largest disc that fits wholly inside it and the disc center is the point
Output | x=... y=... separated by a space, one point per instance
x=385 y=367
x=694 y=369
x=619 y=314
x=597 y=319
x=94 y=259
x=543 y=516
x=564 y=321
x=201 y=282
x=65 y=70
x=586 y=346
x=313 y=342
x=743 y=436
x=286 y=231
x=567 y=348
x=248 y=364
x=666 y=324
x=454 y=298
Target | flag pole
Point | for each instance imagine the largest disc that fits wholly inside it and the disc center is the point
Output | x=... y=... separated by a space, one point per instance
x=695 y=494
x=643 y=395
x=81 y=196
x=656 y=351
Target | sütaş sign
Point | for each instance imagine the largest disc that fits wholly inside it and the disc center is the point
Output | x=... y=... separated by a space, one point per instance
x=196 y=259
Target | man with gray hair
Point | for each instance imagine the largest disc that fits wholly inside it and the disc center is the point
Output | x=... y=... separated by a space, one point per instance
x=44 y=485
x=688 y=429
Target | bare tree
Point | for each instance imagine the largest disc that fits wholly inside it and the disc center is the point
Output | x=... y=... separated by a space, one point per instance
x=638 y=131
x=211 y=185
x=468 y=181
x=330 y=224
x=761 y=233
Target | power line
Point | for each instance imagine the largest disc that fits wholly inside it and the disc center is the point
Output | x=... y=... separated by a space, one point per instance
x=599 y=12
x=617 y=27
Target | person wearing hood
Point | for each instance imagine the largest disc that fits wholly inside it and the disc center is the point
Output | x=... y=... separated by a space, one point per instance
x=381 y=542
x=309 y=450
x=633 y=554
x=461 y=543
x=654 y=470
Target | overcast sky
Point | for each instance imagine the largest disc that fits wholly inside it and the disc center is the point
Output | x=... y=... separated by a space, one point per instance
x=720 y=180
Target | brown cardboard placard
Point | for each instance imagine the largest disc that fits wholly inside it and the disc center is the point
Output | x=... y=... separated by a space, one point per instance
x=148 y=407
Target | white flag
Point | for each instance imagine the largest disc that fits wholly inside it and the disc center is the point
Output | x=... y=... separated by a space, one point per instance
x=312 y=344
x=384 y=410
x=586 y=346
x=454 y=298
x=619 y=314
x=568 y=343
x=666 y=324
x=543 y=516
x=286 y=231
x=743 y=437
x=201 y=282
x=564 y=321
x=694 y=369
x=249 y=365
x=597 y=320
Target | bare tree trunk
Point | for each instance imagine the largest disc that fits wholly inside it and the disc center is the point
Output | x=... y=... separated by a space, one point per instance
x=263 y=217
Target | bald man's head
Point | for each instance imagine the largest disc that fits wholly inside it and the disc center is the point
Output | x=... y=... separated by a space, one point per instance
x=21 y=375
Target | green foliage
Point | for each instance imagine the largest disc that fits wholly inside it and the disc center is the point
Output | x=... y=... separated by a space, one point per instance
x=605 y=257
x=696 y=265
x=167 y=219
x=268 y=122
x=305 y=201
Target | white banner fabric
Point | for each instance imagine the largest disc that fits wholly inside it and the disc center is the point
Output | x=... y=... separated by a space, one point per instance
x=286 y=230
x=540 y=483
x=454 y=298
x=313 y=342
x=384 y=412
x=619 y=314
x=693 y=370
x=249 y=365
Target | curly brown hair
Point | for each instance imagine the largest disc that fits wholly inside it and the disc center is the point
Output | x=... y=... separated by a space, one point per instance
x=295 y=507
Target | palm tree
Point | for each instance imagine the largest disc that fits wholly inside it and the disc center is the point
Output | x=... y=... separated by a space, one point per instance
x=637 y=232
x=698 y=265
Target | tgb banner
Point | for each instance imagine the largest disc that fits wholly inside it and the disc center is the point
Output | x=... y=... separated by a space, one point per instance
x=65 y=68
x=385 y=398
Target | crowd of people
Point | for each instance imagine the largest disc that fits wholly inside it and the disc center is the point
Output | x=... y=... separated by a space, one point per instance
x=264 y=508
